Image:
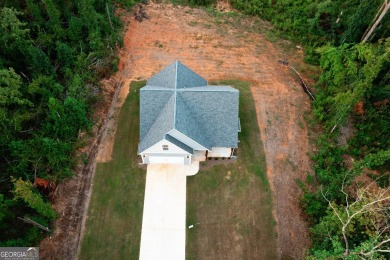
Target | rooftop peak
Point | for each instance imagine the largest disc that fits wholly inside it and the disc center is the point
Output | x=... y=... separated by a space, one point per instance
x=177 y=76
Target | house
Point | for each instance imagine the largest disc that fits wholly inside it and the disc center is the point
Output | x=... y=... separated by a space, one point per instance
x=183 y=119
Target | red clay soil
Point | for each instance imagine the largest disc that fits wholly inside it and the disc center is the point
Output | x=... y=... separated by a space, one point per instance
x=216 y=47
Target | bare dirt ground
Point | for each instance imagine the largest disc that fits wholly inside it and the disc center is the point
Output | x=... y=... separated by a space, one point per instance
x=217 y=47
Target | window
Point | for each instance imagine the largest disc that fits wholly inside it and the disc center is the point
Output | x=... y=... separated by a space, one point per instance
x=165 y=147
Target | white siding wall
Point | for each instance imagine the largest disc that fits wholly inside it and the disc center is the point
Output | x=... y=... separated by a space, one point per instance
x=158 y=148
x=220 y=152
x=199 y=156
x=171 y=154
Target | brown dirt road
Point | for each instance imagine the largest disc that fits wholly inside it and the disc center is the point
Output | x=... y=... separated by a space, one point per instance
x=227 y=47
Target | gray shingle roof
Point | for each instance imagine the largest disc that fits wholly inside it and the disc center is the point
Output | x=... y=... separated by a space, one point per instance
x=165 y=78
x=177 y=75
x=178 y=98
x=152 y=103
x=187 y=123
x=217 y=113
x=186 y=78
x=162 y=125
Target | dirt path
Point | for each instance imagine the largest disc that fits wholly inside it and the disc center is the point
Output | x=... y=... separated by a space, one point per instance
x=215 y=49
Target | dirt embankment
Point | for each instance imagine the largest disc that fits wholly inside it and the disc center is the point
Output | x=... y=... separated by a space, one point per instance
x=216 y=47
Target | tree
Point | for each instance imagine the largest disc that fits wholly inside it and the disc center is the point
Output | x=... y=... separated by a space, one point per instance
x=41 y=156
x=10 y=84
x=2 y=208
x=24 y=190
x=65 y=120
x=38 y=62
x=349 y=76
x=12 y=30
x=368 y=208
x=53 y=13
x=65 y=55
x=12 y=102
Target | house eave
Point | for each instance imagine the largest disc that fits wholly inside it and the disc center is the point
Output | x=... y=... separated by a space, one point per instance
x=168 y=152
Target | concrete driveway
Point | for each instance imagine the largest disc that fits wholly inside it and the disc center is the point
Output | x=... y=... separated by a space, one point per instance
x=164 y=216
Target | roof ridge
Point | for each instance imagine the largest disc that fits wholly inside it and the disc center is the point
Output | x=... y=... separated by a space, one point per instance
x=210 y=88
x=155 y=88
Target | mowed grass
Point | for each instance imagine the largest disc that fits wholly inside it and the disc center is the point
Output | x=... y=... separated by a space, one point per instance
x=113 y=227
x=230 y=205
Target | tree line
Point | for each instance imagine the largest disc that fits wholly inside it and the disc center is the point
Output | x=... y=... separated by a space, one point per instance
x=52 y=55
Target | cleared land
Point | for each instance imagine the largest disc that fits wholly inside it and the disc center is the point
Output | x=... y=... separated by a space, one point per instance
x=217 y=46
x=233 y=46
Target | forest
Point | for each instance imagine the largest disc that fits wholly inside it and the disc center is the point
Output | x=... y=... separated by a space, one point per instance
x=54 y=53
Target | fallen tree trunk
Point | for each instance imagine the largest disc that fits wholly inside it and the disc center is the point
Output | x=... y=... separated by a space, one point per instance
x=303 y=84
x=378 y=18
x=32 y=222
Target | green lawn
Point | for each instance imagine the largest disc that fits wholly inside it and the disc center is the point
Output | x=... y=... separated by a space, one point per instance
x=232 y=203
x=113 y=228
